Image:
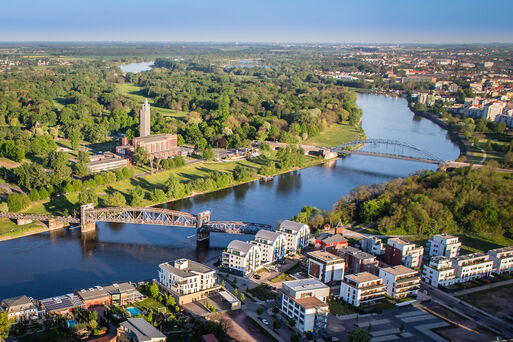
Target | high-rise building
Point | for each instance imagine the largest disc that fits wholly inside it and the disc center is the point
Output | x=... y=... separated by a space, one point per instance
x=144 y=119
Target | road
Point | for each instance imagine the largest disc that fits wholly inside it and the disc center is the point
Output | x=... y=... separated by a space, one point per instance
x=480 y=317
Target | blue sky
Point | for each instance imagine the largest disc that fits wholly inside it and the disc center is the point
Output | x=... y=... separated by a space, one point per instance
x=362 y=21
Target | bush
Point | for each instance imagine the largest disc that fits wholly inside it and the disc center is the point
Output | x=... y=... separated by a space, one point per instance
x=276 y=324
x=17 y=202
x=259 y=311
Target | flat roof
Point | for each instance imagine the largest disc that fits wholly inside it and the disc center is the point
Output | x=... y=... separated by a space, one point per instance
x=15 y=301
x=502 y=249
x=153 y=138
x=398 y=270
x=192 y=269
x=305 y=284
x=310 y=302
x=362 y=277
x=357 y=253
x=400 y=241
x=324 y=256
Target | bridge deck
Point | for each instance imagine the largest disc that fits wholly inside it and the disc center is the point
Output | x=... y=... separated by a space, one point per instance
x=38 y=217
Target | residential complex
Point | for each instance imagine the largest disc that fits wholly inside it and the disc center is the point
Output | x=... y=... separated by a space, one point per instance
x=362 y=288
x=400 y=281
x=439 y=272
x=325 y=266
x=502 y=259
x=296 y=235
x=305 y=301
x=183 y=278
x=116 y=294
x=357 y=261
x=272 y=245
x=399 y=251
x=444 y=245
x=472 y=266
x=241 y=258
x=330 y=241
x=19 y=308
x=372 y=245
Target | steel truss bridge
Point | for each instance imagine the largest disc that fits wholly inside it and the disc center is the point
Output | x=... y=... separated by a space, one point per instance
x=139 y=215
x=400 y=150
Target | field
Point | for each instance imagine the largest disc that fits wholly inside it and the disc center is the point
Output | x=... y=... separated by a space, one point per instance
x=151 y=305
x=9 y=229
x=334 y=136
x=134 y=92
x=498 y=301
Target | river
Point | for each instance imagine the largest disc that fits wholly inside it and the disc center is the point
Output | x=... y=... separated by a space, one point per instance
x=50 y=264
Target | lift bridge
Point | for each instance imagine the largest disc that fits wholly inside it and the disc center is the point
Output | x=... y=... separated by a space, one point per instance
x=89 y=215
x=387 y=148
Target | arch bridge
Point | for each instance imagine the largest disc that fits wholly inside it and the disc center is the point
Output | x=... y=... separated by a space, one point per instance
x=89 y=215
x=400 y=150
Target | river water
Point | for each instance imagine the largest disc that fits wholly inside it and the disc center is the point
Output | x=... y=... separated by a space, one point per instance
x=50 y=264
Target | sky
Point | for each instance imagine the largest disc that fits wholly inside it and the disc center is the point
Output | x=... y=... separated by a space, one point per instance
x=337 y=21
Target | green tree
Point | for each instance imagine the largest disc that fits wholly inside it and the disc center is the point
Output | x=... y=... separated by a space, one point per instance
x=170 y=300
x=292 y=322
x=115 y=199
x=276 y=324
x=222 y=283
x=74 y=138
x=88 y=195
x=235 y=292
x=259 y=311
x=14 y=202
x=158 y=196
x=358 y=335
x=5 y=325
x=242 y=297
x=175 y=189
x=208 y=154
x=140 y=156
x=154 y=290
x=294 y=337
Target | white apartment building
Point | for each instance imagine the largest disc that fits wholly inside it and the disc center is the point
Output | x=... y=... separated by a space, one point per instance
x=502 y=259
x=491 y=110
x=439 y=272
x=272 y=244
x=472 y=266
x=325 y=266
x=444 y=245
x=296 y=235
x=400 y=281
x=241 y=258
x=19 y=308
x=362 y=288
x=399 y=251
x=372 y=245
x=304 y=301
x=185 y=276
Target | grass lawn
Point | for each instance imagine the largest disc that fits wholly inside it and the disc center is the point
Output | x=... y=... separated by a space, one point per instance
x=471 y=244
x=281 y=277
x=133 y=91
x=149 y=304
x=342 y=308
x=335 y=135
x=149 y=183
x=262 y=292
x=53 y=335
x=9 y=229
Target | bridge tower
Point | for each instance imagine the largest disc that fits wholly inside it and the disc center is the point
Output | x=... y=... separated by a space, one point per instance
x=202 y=221
x=86 y=223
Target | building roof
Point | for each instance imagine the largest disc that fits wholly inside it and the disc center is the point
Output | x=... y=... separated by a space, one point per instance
x=324 y=256
x=267 y=235
x=304 y=284
x=362 y=277
x=502 y=249
x=153 y=138
x=398 y=270
x=294 y=226
x=241 y=246
x=355 y=252
x=399 y=241
x=331 y=238
x=61 y=303
x=16 y=301
x=310 y=302
x=143 y=330
x=92 y=293
x=192 y=268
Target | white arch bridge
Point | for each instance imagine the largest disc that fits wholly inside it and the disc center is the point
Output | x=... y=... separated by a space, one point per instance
x=393 y=149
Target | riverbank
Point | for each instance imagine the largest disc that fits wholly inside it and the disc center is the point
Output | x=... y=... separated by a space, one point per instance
x=10 y=230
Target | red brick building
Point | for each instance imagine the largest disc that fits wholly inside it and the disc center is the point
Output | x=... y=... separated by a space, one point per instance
x=330 y=241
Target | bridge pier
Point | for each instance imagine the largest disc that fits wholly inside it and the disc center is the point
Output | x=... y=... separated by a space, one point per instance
x=202 y=235
x=54 y=224
x=88 y=226
x=23 y=221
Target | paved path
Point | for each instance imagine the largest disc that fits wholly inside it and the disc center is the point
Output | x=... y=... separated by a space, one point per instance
x=483 y=287
x=484 y=155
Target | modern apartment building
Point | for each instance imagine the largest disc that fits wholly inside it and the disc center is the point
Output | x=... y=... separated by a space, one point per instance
x=372 y=245
x=296 y=235
x=400 y=281
x=502 y=259
x=184 y=277
x=241 y=258
x=362 y=288
x=472 y=266
x=444 y=245
x=357 y=261
x=325 y=266
x=439 y=272
x=115 y=294
x=272 y=245
x=399 y=251
x=304 y=301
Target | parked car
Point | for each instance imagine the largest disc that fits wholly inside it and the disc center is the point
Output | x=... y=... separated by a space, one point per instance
x=266 y=322
x=257 y=276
